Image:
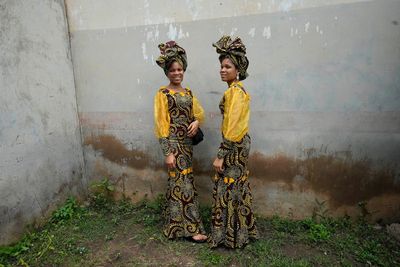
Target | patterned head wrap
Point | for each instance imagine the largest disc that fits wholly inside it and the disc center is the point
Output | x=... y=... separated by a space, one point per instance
x=170 y=52
x=235 y=51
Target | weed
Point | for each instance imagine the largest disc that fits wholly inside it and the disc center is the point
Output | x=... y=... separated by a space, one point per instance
x=209 y=257
x=282 y=225
x=125 y=234
x=13 y=251
x=102 y=193
x=320 y=211
x=66 y=212
x=364 y=212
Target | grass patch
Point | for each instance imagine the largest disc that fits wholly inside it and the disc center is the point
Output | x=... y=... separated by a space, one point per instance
x=123 y=234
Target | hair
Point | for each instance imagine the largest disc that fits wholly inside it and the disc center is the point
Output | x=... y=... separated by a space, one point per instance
x=169 y=64
x=223 y=56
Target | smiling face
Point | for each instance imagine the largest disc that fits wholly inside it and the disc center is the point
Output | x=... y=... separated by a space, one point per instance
x=175 y=73
x=228 y=71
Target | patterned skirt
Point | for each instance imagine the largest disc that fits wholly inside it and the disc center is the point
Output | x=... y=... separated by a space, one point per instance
x=233 y=222
x=181 y=211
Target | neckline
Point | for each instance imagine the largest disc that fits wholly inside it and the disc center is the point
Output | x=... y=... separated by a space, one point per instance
x=171 y=91
x=238 y=83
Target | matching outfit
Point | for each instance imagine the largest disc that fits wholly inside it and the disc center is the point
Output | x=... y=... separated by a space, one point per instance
x=173 y=113
x=233 y=221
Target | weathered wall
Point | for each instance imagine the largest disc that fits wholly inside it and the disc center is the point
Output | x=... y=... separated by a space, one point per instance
x=41 y=160
x=325 y=96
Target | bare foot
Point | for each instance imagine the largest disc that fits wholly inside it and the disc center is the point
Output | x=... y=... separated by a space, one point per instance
x=199 y=237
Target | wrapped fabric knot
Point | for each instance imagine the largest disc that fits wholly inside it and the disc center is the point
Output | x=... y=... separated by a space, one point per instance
x=235 y=50
x=170 y=52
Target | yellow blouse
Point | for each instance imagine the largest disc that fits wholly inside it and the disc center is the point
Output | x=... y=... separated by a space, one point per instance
x=236 y=107
x=161 y=114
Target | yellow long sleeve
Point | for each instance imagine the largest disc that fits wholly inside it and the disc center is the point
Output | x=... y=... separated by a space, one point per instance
x=198 y=111
x=161 y=115
x=236 y=114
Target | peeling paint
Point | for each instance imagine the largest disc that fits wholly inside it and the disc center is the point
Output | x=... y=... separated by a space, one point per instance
x=172 y=32
x=145 y=57
x=267 y=32
x=286 y=5
x=180 y=34
x=252 y=32
x=307 y=26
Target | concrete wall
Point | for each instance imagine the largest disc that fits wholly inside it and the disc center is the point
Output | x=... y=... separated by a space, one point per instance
x=325 y=93
x=41 y=160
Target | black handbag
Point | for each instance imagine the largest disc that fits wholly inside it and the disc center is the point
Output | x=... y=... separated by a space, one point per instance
x=198 y=137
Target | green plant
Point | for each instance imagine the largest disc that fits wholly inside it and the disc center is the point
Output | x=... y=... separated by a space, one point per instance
x=157 y=205
x=317 y=231
x=66 y=212
x=13 y=251
x=320 y=211
x=102 y=193
x=364 y=212
x=118 y=234
x=209 y=257
x=284 y=225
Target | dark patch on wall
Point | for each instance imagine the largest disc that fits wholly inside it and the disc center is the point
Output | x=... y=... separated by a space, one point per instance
x=346 y=181
x=115 y=151
x=198 y=168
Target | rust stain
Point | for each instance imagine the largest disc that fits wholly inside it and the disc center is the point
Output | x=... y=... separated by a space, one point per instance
x=116 y=152
x=345 y=181
x=275 y=168
x=198 y=168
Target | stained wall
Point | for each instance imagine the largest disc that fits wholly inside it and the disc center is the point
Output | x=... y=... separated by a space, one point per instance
x=41 y=157
x=325 y=89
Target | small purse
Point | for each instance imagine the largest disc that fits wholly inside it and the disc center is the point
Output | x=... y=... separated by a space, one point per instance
x=198 y=137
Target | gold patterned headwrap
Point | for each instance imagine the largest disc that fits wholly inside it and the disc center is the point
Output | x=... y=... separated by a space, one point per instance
x=171 y=51
x=235 y=51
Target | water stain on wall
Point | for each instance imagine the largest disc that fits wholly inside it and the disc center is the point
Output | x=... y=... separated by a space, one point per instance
x=115 y=151
x=346 y=181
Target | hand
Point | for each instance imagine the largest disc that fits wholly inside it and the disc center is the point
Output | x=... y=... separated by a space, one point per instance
x=218 y=165
x=170 y=161
x=193 y=128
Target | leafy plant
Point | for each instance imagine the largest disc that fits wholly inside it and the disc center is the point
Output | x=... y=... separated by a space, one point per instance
x=320 y=211
x=102 y=193
x=66 y=212
x=15 y=250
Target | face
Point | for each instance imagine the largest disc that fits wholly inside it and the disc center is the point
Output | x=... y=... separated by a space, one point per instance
x=175 y=73
x=228 y=71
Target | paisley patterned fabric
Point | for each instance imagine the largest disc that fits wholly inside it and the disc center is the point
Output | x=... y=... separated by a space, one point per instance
x=182 y=216
x=233 y=222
